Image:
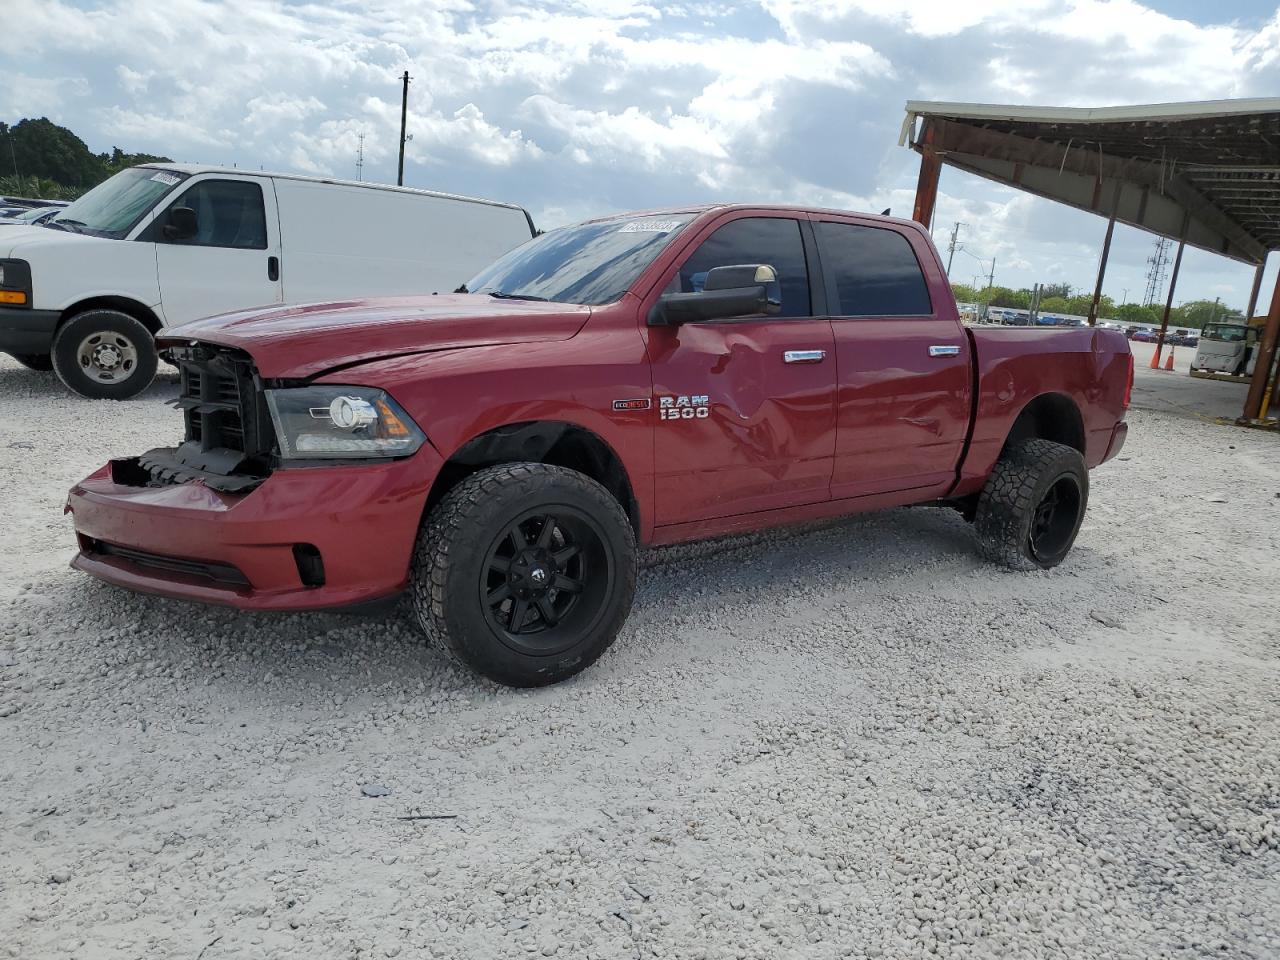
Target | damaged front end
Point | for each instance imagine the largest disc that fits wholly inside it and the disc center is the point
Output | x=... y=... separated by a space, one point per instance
x=229 y=443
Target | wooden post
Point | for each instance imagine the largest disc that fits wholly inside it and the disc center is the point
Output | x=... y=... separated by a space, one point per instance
x=1266 y=357
x=1173 y=283
x=927 y=184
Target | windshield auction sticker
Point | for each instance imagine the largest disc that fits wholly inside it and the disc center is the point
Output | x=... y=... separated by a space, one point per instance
x=650 y=226
x=168 y=179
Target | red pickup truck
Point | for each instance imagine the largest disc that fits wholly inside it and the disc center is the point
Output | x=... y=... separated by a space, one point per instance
x=641 y=379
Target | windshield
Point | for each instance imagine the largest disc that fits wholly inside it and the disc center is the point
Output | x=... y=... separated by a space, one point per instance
x=113 y=207
x=592 y=263
x=1229 y=332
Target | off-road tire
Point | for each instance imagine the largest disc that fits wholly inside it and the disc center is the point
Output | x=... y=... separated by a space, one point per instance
x=1007 y=506
x=452 y=553
x=66 y=346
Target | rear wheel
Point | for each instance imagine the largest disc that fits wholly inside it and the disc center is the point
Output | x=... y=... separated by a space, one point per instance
x=525 y=572
x=1031 y=508
x=104 y=354
x=34 y=361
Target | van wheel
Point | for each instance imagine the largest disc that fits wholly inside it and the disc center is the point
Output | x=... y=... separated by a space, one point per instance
x=105 y=355
x=525 y=572
x=34 y=361
x=1032 y=506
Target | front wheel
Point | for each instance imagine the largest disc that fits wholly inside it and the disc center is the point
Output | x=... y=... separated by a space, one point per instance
x=1032 y=506
x=105 y=355
x=525 y=572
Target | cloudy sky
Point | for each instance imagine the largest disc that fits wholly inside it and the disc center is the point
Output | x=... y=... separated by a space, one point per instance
x=579 y=107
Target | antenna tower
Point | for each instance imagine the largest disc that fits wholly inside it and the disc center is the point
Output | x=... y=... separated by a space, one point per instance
x=1157 y=265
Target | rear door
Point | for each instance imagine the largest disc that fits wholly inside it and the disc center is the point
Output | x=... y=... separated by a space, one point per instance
x=746 y=417
x=232 y=262
x=903 y=377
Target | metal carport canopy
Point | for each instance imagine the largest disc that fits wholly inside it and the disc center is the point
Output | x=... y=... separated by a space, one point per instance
x=1205 y=172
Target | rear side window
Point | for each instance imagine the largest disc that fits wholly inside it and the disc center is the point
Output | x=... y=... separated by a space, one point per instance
x=770 y=240
x=229 y=213
x=875 y=271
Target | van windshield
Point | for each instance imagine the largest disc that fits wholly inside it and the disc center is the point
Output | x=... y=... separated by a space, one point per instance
x=113 y=207
x=591 y=263
x=1228 y=332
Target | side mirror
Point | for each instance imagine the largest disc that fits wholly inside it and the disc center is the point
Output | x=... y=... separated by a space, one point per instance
x=182 y=223
x=741 y=290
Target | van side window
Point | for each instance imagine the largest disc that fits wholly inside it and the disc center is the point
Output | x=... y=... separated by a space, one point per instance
x=229 y=213
x=772 y=240
x=875 y=270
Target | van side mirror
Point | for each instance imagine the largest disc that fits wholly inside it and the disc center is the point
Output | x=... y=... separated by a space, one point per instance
x=182 y=223
x=741 y=290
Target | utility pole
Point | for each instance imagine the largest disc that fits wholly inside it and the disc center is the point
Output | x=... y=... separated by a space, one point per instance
x=991 y=279
x=360 y=159
x=951 y=247
x=404 y=115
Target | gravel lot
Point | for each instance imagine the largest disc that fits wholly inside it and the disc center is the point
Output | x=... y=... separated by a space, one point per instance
x=853 y=740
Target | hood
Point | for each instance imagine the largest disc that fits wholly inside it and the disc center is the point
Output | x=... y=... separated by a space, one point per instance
x=306 y=340
x=15 y=238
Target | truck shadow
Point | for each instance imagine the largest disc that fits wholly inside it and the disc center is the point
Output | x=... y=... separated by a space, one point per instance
x=300 y=656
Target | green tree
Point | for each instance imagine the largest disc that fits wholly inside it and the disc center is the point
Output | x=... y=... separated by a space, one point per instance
x=1051 y=290
x=40 y=158
x=1196 y=313
x=1004 y=297
x=964 y=293
x=1136 y=313
x=1054 y=305
x=42 y=148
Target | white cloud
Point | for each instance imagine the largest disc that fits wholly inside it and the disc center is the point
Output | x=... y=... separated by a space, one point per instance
x=576 y=107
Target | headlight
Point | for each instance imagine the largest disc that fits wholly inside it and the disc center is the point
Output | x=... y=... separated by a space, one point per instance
x=341 y=423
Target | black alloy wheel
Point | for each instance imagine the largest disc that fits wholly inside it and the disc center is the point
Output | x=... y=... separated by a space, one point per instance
x=1056 y=519
x=544 y=580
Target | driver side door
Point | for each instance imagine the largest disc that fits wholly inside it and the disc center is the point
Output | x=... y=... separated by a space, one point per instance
x=745 y=418
x=232 y=262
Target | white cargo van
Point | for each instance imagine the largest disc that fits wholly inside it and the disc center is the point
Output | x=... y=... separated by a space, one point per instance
x=161 y=245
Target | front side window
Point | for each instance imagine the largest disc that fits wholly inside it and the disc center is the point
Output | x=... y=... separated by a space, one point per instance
x=769 y=240
x=229 y=213
x=876 y=272
x=1227 y=332
x=591 y=263
x=113 y=207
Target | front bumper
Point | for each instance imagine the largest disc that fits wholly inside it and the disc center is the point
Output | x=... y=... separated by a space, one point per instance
x=189 y=542
x=27 y=331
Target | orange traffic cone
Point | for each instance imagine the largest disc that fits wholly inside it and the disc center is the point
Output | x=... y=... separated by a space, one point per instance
x=1155 y=359
x=1168 y=364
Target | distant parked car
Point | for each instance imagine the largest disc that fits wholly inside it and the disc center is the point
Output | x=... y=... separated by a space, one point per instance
x=35 y=215
x=29 y=202
x=1130 y=330
x=1146 y=336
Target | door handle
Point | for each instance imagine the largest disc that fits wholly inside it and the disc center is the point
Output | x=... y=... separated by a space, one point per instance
x=803 y=356
x=273 y=268
x=944 y=351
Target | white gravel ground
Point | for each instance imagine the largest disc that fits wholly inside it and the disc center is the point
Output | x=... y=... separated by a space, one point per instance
x=854 y=740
